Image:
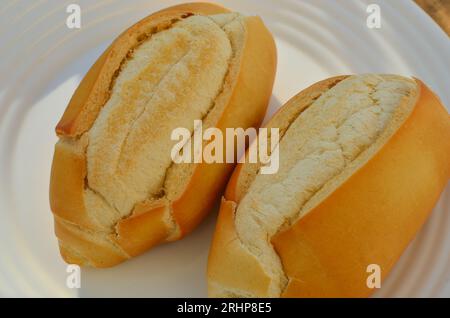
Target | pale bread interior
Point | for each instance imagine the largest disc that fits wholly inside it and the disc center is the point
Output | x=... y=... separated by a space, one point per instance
x=178 y=75
x=338 y=133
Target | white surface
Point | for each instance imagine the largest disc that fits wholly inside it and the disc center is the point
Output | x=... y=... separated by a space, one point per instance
x=41 y=63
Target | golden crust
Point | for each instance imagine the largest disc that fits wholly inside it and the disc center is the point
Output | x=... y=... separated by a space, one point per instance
x=67 y=185
x=141 y=231
x=223 y=268
x=148 y=226
x=88 y=251
x=326 y=253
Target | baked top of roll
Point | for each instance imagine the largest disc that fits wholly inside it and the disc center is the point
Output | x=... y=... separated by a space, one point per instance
x=130 y=141
x=362 y=161
x=335 y=135
x=171 y=79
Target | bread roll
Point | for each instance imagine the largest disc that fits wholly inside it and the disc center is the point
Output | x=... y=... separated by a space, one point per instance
x=114 y=189
x=363 y=159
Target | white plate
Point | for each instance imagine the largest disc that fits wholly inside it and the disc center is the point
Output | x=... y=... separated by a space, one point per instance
x=42 y=61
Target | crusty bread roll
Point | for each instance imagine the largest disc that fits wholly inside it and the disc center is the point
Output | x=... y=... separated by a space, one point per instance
x=114 y=190
x=363 y=159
